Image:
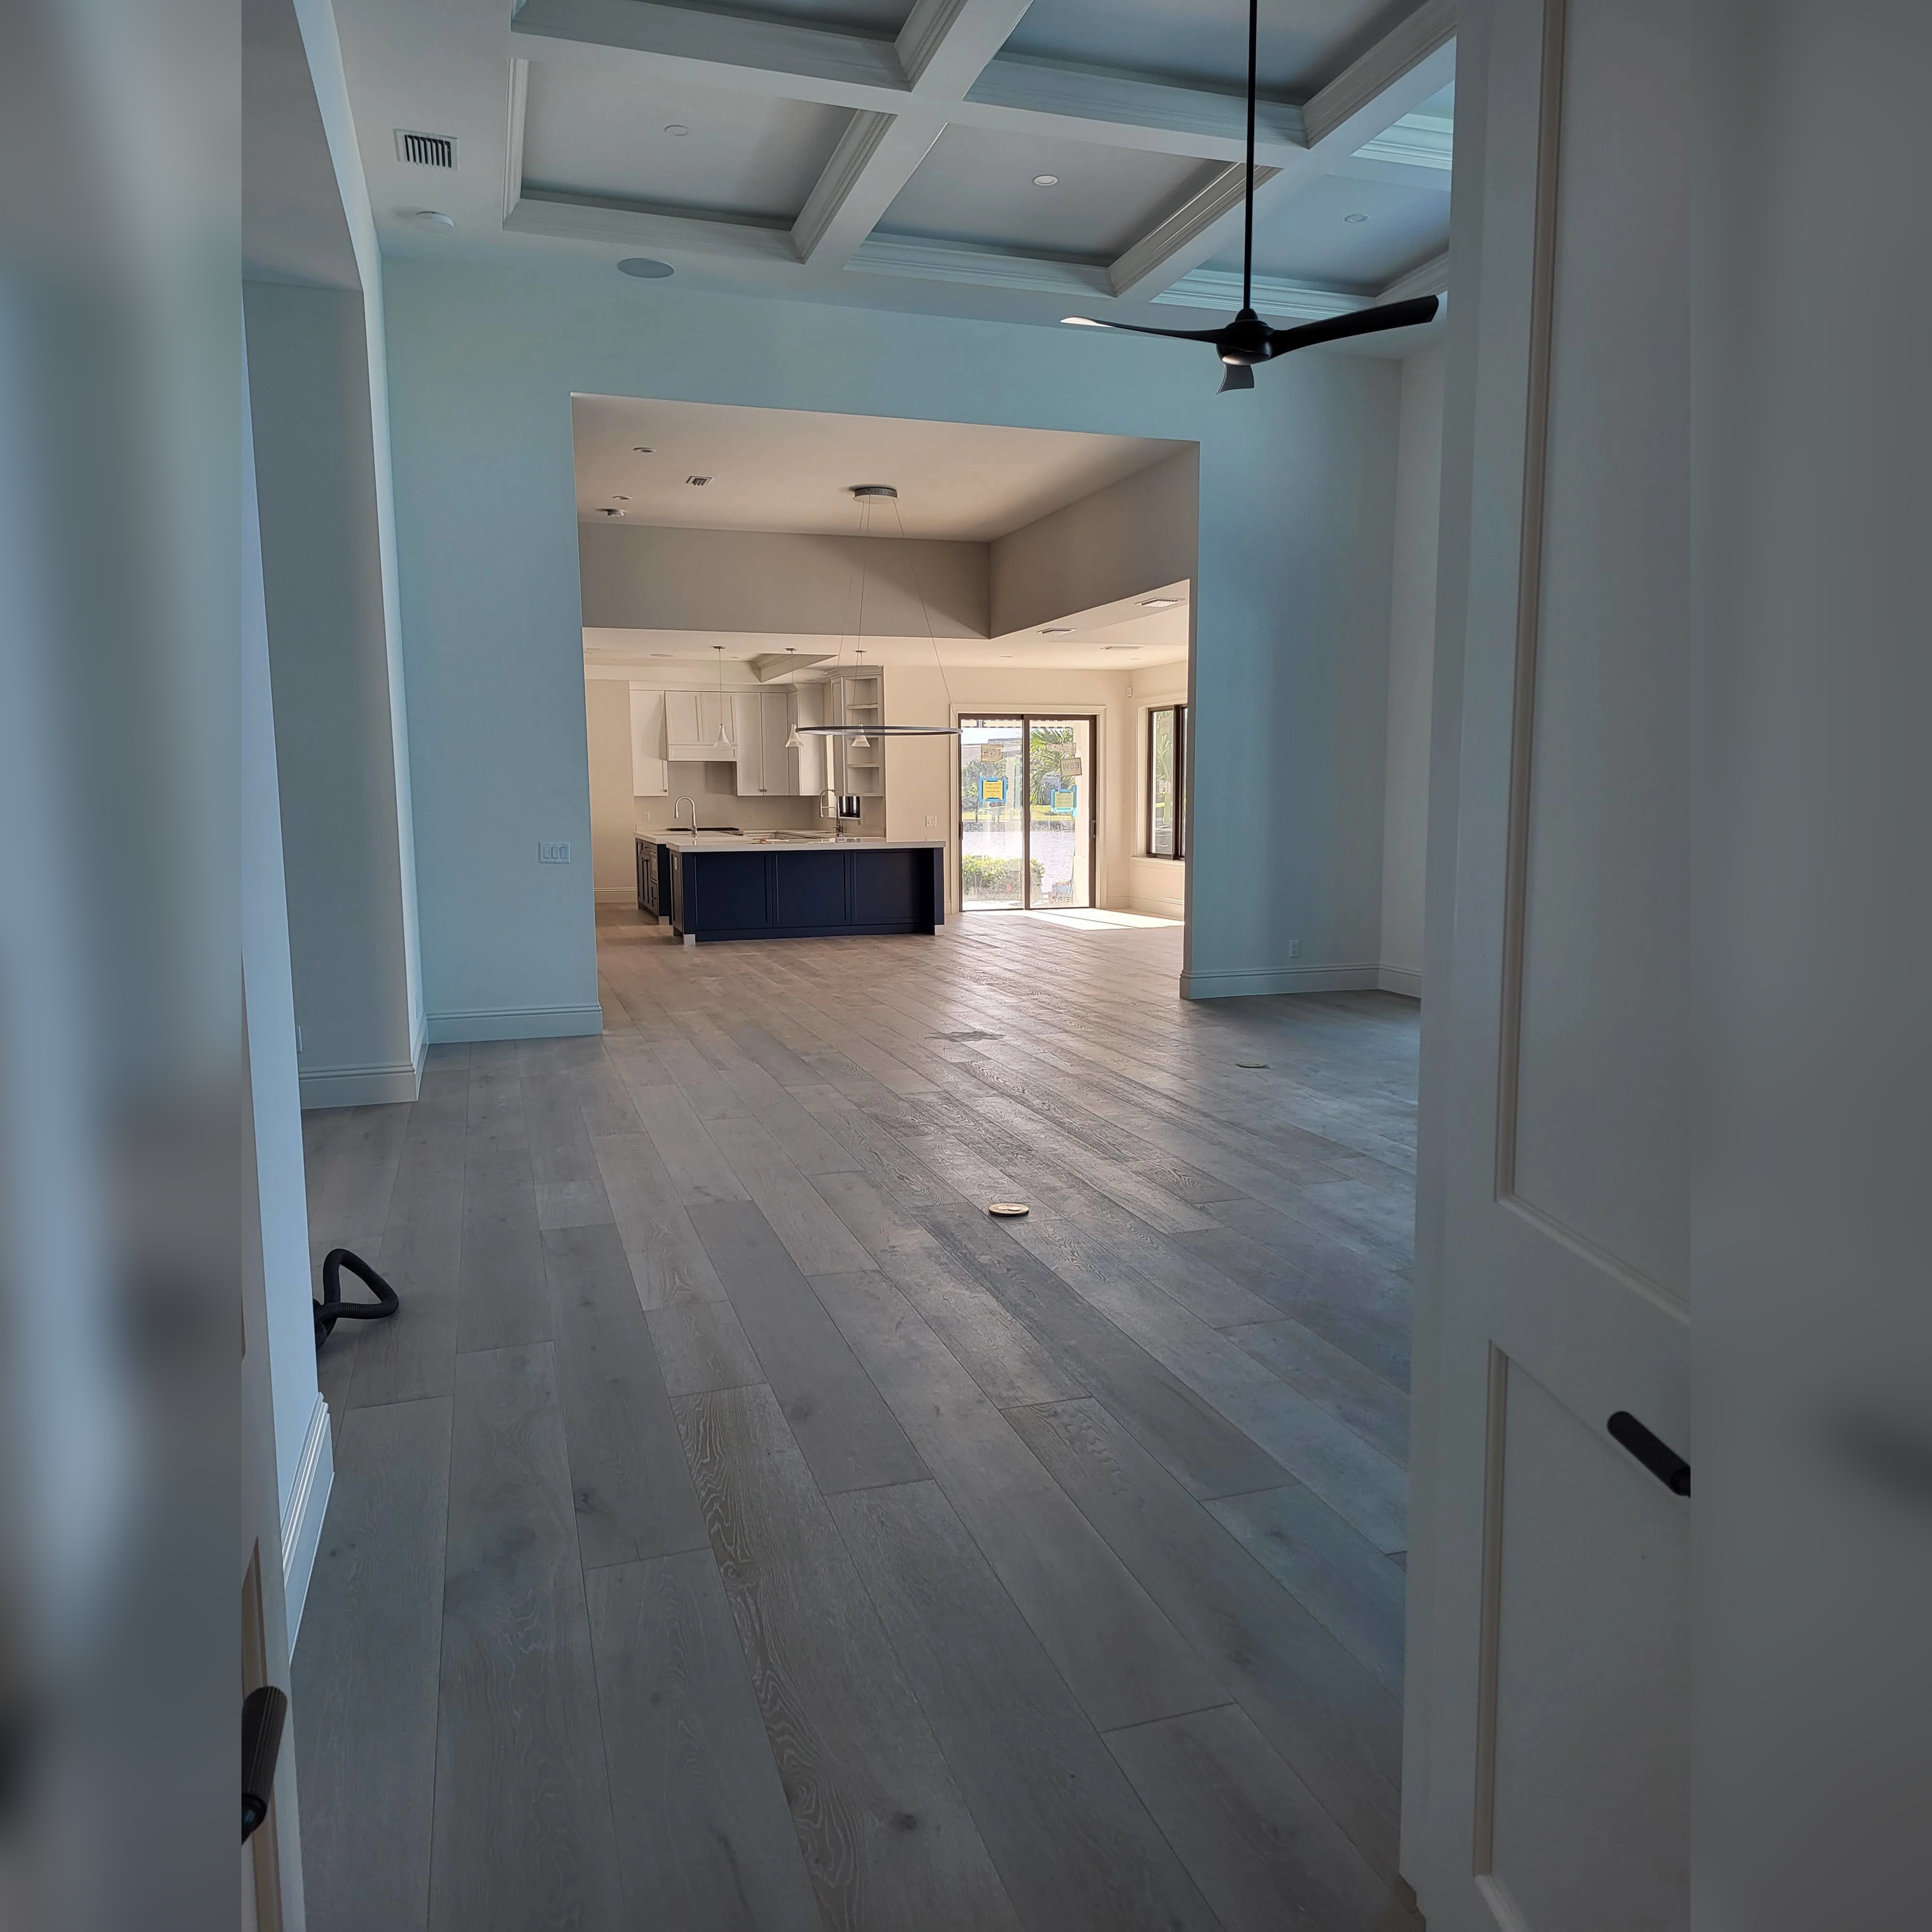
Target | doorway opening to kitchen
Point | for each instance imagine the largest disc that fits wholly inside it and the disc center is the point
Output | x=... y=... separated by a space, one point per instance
x=1028 y=825
x=881 y=636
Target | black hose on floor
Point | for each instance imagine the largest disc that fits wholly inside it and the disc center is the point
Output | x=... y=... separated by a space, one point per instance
x=332 y=1309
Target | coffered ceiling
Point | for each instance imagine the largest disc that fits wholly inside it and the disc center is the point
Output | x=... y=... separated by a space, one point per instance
x=987 y=157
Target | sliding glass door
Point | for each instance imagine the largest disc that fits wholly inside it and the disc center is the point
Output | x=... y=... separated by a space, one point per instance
x=1027 y=820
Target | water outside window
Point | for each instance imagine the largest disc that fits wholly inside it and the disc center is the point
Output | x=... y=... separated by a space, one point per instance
x=1026 y=819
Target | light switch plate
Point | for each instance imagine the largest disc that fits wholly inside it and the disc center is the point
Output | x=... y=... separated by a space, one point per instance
x=552 y=852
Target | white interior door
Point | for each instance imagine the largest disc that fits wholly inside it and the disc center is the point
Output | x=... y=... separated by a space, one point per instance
x=1546 y=1768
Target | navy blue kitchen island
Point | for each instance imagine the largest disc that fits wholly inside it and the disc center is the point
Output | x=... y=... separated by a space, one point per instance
x=714 y=887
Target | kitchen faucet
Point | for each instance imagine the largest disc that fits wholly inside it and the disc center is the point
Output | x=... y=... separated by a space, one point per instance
x=677 y=806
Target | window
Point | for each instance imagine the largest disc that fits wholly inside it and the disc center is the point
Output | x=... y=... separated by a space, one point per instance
x=1167 y=782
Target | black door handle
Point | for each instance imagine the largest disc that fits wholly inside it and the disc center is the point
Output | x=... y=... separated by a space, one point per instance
x=263 y=1712
x=1652 y=1451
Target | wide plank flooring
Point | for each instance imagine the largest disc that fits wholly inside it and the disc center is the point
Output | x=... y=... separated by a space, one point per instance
x=738 y=1528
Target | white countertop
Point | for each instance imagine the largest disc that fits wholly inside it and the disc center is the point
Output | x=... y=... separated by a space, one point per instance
x=766 y=841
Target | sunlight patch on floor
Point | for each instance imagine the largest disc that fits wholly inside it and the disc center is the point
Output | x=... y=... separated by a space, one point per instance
x=1097 y=919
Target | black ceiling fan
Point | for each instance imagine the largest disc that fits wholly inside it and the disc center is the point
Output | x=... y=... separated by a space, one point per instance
x=1248 y=339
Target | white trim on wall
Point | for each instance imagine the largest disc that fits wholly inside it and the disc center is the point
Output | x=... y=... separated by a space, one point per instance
x=1406 y=980
x=384 y=1084
x=514 y=1023
x=302 y=1512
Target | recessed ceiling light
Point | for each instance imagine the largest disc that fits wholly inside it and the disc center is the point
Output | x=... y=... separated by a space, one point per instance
x=1058 y=631
x=643 y=449
x=1160 y=603
x=1354 y=218
x=605 y=510
x=1119 y=647
x=1046 y=180
x=645 y=269
x=620 y=499
x=678 y=128
x=431 y=217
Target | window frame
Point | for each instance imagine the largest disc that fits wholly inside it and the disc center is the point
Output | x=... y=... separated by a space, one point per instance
x=1179 y=709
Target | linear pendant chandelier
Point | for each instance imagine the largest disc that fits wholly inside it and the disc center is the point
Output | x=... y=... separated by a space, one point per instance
x=1248 y=339
x=861 y=736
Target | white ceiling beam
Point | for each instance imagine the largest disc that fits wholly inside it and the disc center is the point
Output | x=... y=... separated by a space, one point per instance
x=1220 y=289
x=1432 y=278
x=1062 y=102
x=944 y=46
x=875 y=157
x=941 y=49
x=1300 y=301
x=1401 y=71
x=926 y=259
x=651 y=232
x=513 y=152
x=1361 y=86
x=715 y=50
x=1145 y=267
x=1415 y=141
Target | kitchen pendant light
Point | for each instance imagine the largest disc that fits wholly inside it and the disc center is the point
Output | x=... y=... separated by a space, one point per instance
x=1248 y=339
x=793 y=743
x=724 y=702
x=858 y=737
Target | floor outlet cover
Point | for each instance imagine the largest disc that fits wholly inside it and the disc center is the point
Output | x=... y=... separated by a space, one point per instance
x=1008 y=1209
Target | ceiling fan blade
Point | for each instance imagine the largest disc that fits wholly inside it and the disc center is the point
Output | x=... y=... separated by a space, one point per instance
x=1236 y=376
x=1362 y=322
x=1135 y=329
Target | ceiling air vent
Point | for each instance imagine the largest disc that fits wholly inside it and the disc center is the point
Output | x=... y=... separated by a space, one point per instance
x=697 y=482
x=425 y=151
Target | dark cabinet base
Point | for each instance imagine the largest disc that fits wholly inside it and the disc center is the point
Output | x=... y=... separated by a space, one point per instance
x=653 y=877
x=812 y=894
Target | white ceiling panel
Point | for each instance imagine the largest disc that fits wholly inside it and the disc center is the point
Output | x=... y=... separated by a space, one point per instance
x=1309 y=237
x=977 y=185
x=793 y=469
x=1304 y=43
x=602 y=134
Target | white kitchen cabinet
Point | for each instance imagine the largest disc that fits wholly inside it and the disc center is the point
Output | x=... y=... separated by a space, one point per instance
x=766 y=766
x=650 y=774
x=697 y=726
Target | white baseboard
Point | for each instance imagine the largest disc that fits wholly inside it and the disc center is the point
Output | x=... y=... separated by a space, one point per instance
x=302 y=1512
x=514 y=1023
x=1239 y=982
x=378 y=1085
x=623 y=895
x=1404 y=980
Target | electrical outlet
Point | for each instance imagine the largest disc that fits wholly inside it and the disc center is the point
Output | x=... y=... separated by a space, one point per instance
x=1294 y=949
x=552 y=852
x=932 y=821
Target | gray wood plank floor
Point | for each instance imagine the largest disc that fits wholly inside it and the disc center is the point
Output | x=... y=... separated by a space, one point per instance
x=738 y=1528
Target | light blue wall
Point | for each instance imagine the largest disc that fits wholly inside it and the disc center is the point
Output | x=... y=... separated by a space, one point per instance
x=1292 y=608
